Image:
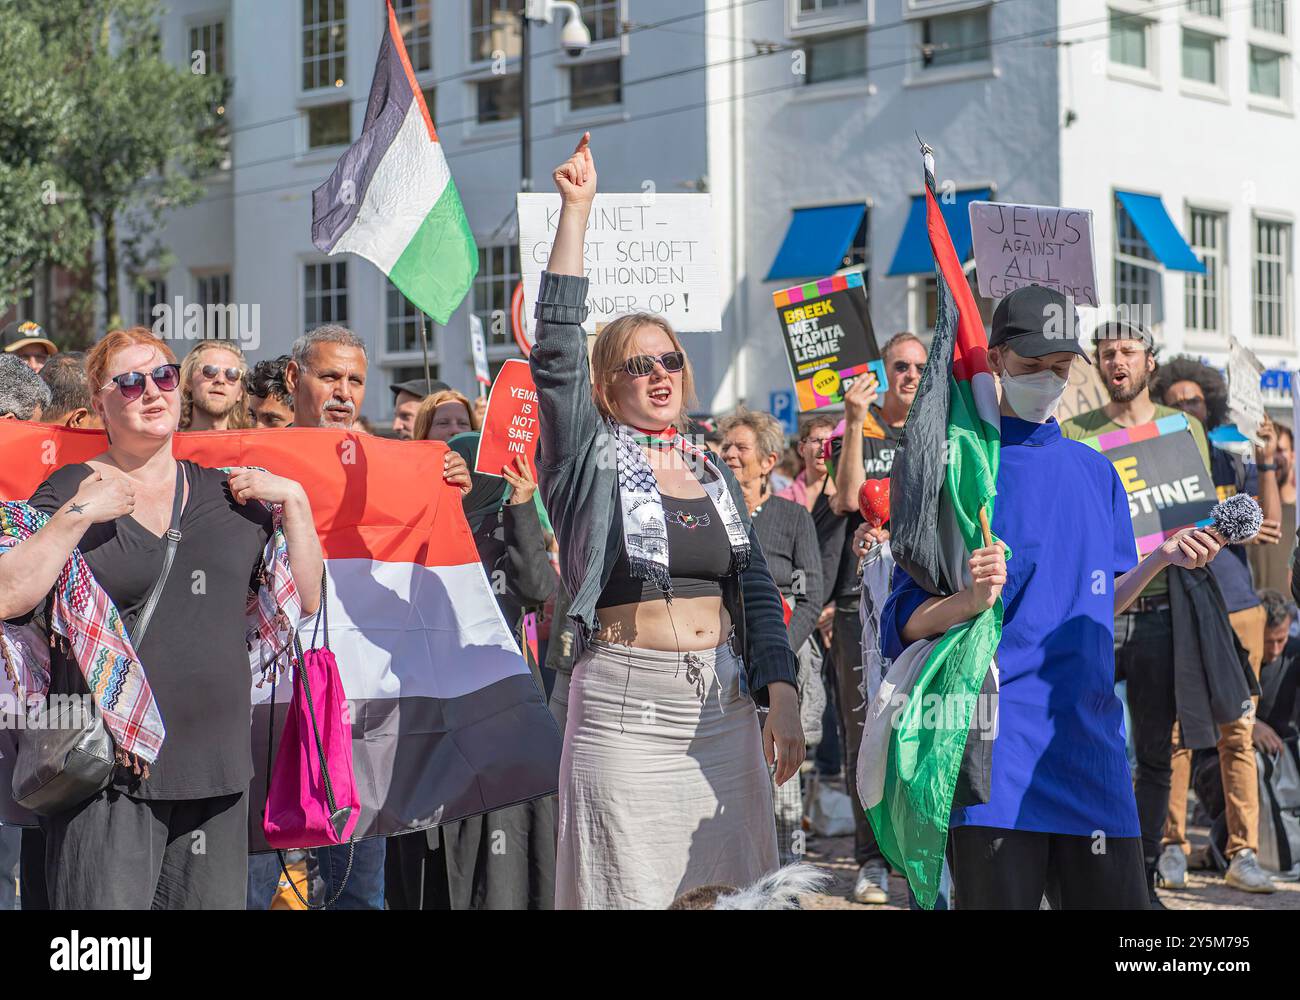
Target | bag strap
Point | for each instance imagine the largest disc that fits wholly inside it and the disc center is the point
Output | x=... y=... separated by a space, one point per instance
x=173 y=540
x=322 y=619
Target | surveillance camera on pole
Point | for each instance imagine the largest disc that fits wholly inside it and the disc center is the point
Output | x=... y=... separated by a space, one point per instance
x=575 y=38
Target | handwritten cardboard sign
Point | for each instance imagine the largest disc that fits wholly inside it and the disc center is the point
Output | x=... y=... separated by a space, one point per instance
x=478 y=347
x=1167 y=483
x=829 y=341
x=1245 y=396
x=1019 y=245
x=645 y=252
x=510 y=424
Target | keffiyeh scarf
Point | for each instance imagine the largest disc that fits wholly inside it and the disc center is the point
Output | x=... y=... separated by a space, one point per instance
x=645 y=529
x=83 y=617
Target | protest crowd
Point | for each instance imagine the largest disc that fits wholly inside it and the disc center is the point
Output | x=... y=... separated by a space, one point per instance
x=711 y=612
x=569 y=641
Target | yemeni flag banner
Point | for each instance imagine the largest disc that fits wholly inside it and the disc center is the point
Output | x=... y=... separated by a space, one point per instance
x=447 y=721
x=916 y=761
x=391 y=198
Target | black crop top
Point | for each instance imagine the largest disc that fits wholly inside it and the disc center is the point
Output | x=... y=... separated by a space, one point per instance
x=699 y=557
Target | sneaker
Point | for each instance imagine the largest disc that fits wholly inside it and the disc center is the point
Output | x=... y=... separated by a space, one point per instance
x=872 y=886
x=1245 y=874
x=1172 y=868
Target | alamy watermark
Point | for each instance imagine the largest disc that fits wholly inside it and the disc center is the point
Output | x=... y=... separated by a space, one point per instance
x=181 y=320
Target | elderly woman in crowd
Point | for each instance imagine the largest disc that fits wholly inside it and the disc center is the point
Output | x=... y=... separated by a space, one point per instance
x=663 y=786
x=443 y=415
x=752 y=443
x=133 y=845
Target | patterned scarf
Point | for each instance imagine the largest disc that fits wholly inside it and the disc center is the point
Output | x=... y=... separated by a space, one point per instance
x=83 y=616
x=645 y=529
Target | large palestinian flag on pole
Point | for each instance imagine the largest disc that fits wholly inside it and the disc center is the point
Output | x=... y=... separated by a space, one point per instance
x=391 y=198
x=916 y=760
x=447 y=721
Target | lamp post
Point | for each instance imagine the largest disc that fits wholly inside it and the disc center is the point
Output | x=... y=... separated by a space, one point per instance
x=575 y=38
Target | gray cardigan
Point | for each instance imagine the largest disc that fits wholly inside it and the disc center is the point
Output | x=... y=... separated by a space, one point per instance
x=790 y=546
x=578 y=476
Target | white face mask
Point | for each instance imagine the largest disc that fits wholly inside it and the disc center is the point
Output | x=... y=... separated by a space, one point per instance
x=1034 y=397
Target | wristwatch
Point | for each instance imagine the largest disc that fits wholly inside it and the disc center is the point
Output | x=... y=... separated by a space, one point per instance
x=1269 y=467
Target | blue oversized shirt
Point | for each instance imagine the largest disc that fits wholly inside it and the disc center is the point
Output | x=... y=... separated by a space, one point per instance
x=1058 y=760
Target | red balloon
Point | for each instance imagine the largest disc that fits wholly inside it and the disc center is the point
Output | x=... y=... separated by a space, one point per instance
x=873 y=501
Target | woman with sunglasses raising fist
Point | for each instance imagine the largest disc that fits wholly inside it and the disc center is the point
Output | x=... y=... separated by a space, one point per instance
x=663 y=782
x=172 y=835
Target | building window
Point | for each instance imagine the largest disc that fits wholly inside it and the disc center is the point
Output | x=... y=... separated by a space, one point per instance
x=431 y=101
x=402 y=322
x=806 y=14
x=930 y=300
x=493 y=28
x=595 y=85
x=955 y=39
x=214 y=290
x=498 y=273
x=1200 y=57
x=324 y=43
x=1207 y=236
x=1268 y=15
x=835 y=57
x=1206 y=8
x=1267 y=72
x=325 y=294
x=1137 y=274
x=1271 y=286
x=498 y=98
x=601 y=17
x=329 y=125
x=859 y=252
x=149 y=292
x=1128 y=40
x=415 y=20
x=210 y=39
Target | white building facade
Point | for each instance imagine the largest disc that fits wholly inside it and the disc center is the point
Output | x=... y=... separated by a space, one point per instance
x=1172 y=122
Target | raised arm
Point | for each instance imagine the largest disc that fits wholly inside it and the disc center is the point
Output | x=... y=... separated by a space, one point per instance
x=29 y=570
x=558 y=360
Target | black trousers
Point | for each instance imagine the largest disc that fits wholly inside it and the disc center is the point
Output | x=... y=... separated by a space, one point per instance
x=1144 y=656
x=114 y=852
x=995 y=869
x=846 y=646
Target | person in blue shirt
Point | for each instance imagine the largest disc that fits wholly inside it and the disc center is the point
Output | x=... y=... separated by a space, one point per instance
x=1061 y=820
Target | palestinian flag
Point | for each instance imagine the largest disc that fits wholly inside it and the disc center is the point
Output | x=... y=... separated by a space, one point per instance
x=447 y=721
x=391 y=198
x=915 y=763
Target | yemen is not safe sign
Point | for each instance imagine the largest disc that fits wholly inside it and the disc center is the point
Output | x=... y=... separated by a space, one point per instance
x=510 y=424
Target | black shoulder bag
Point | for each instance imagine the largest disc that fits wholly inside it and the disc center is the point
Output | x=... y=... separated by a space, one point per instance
x=66 y=755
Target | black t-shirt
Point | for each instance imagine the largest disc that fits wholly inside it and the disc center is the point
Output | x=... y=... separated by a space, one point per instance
x=878 y=459
x=194 y=653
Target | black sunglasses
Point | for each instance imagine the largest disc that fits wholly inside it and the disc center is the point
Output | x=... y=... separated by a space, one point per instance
x=902 y=367
x=131 y=384
x=232 y=374
x=641 y=365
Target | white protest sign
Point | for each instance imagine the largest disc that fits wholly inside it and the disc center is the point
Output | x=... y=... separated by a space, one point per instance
x=478 y=346
x=1019 y=245
x=1245 y=397
x=644 y=253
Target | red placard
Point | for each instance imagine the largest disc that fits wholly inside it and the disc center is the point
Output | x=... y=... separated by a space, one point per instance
x=510 y=424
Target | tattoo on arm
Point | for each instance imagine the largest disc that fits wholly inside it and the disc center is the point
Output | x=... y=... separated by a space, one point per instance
x=76 y=508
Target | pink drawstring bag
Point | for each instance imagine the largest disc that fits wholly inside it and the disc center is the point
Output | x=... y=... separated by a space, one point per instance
x=312 y=798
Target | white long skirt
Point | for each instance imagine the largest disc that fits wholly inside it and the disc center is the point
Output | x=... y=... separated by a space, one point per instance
x=663 y=786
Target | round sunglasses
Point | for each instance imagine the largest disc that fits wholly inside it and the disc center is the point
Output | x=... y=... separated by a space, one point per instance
x=232 y=374
x=131 y=384
x=641 y=365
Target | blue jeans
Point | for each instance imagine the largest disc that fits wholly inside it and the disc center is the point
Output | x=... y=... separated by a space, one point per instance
x=10 y=841
x=365 y=885
x=263 y=877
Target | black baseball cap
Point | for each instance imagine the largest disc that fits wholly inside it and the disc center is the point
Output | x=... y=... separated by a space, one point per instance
x=21 y=333
x=1034 y=321
x=419 y=387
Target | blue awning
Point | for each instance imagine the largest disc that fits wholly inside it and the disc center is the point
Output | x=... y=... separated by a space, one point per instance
x=913 y=255
x=1148 y=213
x=816 y=242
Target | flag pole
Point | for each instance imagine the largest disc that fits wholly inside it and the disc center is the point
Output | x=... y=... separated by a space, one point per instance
x=424 y=343
x=984 y=526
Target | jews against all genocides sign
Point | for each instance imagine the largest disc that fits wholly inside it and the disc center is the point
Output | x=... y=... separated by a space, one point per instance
x=1019 y=245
